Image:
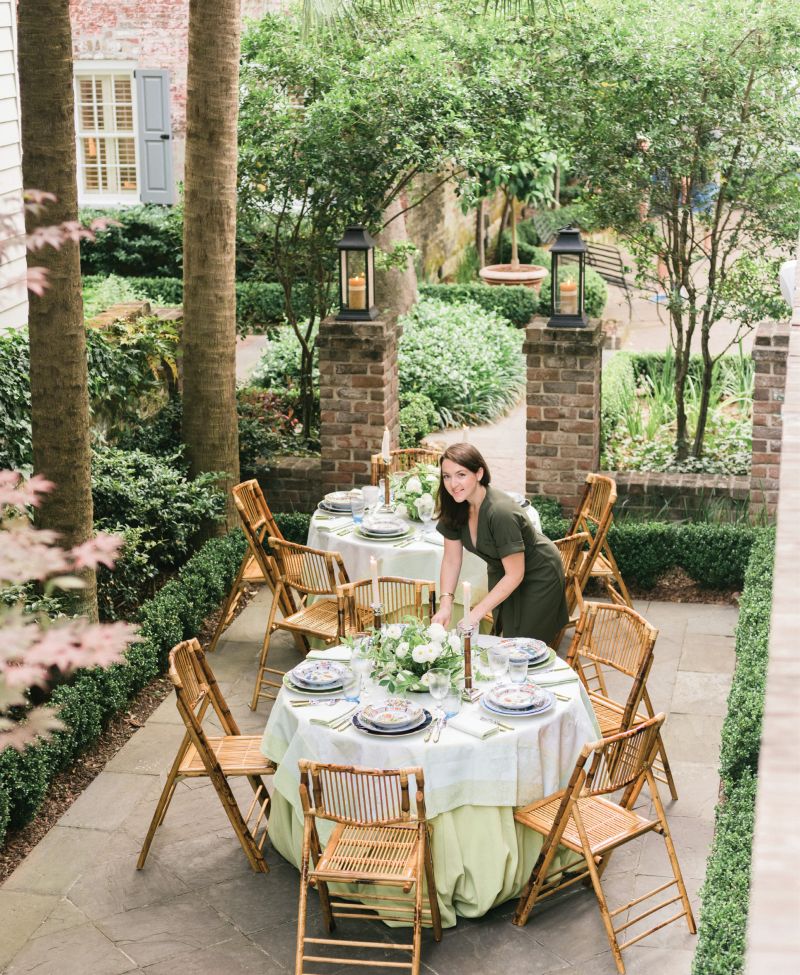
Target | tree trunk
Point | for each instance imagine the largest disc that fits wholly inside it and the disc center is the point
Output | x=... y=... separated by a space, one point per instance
x=395 y=288
x=514 y=252
x=480 y=240
x=705 y=395
x=499 y=249
x=59 y=380
x=210 y=428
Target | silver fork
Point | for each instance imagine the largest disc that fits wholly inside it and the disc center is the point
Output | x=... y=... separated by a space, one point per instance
x=440 y=729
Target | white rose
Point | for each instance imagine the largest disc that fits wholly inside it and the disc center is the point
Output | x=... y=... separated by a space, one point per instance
x=394 y=631
x=426 y=678
x=414 y=485
x=436 y=651
x=421 y=654
x=436 y=633
x=454 y=640
x=402 y=649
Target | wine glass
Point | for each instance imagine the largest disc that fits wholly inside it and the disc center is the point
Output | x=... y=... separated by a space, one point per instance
x=371 y=495
x=360 y=662
x=518 y=667
x=425 y=506
x=439 y=685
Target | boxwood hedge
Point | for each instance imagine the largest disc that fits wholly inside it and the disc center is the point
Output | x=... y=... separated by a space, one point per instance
x=87 y=701
x=725 y=894
x=518 y=305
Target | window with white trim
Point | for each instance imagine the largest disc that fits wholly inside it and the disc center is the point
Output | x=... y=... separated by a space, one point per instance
x=106 y=125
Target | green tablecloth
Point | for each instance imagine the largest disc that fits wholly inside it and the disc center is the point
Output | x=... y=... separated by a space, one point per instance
x=481 y=857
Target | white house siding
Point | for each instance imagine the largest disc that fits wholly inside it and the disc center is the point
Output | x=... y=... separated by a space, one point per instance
x=13 y=294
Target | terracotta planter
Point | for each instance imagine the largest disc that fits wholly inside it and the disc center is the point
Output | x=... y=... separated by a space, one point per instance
x=524 y=275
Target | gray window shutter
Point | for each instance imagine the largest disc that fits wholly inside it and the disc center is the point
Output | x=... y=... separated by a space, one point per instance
x=155 y=136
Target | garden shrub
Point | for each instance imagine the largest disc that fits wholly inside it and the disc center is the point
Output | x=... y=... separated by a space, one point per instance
x=466 y=360
x=149 y=241
x=294 y=525
x=518 y=305
x=16 y=448
x=725 y=895
x=618 y=388
x=93 y=696
x=418 y=417
x=101 y=292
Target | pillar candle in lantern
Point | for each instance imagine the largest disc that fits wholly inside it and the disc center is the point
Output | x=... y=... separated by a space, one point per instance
x=357 y=293
x=569 y=297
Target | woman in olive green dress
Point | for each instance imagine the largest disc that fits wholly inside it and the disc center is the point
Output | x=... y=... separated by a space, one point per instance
x=526 y=577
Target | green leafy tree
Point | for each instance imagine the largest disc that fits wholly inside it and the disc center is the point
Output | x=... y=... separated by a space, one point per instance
x=684 y=121
x=335 y=126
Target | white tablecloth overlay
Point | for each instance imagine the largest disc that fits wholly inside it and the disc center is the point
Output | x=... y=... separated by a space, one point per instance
x=511 y=768
x=417 y=560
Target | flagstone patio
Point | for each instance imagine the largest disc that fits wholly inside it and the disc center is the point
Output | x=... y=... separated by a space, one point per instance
x=78 y=905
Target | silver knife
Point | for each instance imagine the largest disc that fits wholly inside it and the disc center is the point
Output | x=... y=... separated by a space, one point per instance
x=440 y=728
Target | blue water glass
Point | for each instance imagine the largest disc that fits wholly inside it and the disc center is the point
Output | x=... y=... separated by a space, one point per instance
x=358 y=506
x=351 y=686
x=452 y=702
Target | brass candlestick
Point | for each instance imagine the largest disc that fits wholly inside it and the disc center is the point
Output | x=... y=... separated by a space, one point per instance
x=387 y=491
x=377 y=616
x=468 y=659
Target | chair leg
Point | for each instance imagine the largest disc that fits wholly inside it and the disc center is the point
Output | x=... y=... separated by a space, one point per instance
x=673 y=857
x=230 y=604
x=303 y=902
x=417 y=942
x=662 y=752
x=322 y=887
x=605 y=914
x=530 y=894
x=240 y=827
x=163 y=803
x=262 y=660
x=436 y=917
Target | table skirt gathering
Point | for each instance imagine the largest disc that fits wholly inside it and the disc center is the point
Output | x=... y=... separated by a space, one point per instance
x=472 y=785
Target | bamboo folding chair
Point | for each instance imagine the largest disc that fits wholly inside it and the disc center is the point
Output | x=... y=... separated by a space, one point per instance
x=399 y=598
x=376 y=840
x=404 y=460
x=607 y=635
x=586 y=821
x=257 y=522
x=571 y=550
x=306 y=572
x=594 y=515
x=216 y=758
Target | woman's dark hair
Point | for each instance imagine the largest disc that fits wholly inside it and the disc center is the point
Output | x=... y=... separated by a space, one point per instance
x=454 y=513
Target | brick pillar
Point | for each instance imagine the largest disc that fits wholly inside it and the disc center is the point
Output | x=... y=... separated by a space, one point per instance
x=770 y=354
x=358 y=393
x=563 y=396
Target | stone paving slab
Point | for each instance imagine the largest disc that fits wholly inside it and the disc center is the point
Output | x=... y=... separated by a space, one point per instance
x=78 y=905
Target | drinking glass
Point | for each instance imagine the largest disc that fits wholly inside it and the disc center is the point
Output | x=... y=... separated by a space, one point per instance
x=498 y=661
x=425 y=506
x=518 y=667
x=371 y=495
x=351 y=685
x=452 y=701
x=438 y=685
x=358 y=505
x=360 y=663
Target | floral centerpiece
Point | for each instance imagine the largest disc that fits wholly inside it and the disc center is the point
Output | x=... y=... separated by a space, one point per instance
x=417 y=486
x=403 y=653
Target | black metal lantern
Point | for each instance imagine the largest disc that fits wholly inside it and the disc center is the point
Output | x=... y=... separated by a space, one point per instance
x=568 y=280
x=356 y=276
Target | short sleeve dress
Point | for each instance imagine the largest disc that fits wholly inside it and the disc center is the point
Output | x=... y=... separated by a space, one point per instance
x=538 y=606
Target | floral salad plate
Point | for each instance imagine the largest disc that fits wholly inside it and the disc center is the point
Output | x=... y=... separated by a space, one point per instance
x=394 y=713
x=318 y=674
x=340 y=501
x=537 y=650
x=394 y=729
x=517 y=699
x=383 y=526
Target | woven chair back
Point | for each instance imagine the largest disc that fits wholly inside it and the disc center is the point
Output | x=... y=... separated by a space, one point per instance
x=404 y=460
x=616 y=636
x=594 y=510
x=620 y=761
x=310 y=571
x=254 y=510
x=196 y=689
x=399 y=598
x=571 y=550
x=361 y=796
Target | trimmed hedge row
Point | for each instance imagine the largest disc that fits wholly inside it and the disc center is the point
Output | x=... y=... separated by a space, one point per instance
x=93 y=696
x=725 y=894
x=259 y=304
x=518 y=305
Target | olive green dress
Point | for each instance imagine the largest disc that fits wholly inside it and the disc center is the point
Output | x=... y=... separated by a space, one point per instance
x=538 y=606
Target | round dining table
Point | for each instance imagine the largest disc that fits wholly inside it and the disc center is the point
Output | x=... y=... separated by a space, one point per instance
x=482 y=857
x=417 y=556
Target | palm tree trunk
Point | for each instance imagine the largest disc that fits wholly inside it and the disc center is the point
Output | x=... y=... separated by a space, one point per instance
x=210 y=428
x=59 y=380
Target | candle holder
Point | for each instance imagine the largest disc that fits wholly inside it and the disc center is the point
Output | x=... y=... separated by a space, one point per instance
x=468 y=661
x=377 y=616
x=387 y=489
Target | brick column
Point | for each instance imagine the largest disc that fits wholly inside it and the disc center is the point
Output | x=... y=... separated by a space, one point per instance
x=770 y=354
x=358 y=393
x=563 y=396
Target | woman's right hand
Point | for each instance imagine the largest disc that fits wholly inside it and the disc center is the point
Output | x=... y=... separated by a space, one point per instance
x=443 y=615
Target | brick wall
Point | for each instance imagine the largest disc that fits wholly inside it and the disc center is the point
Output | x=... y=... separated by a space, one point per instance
x=563 y=411
x=358 y=397
x=770 y=354
x=678 y=496
x=292 y=483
